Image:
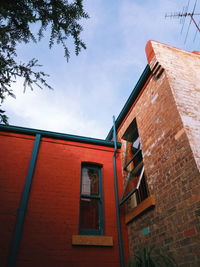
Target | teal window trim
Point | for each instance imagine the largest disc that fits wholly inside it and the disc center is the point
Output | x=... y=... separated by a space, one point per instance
x=99 y=197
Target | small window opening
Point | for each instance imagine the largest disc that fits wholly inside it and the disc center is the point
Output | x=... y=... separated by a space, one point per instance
x=91 y=214
x=135 y=190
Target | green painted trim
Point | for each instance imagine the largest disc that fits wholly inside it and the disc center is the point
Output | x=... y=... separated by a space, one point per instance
x=145 y=231
x=23 y=206
x=117 y=208
x=75 y=138
x=133 y=96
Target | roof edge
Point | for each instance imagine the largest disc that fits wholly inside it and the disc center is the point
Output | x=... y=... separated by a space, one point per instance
x=138 y=87
x=55 y=135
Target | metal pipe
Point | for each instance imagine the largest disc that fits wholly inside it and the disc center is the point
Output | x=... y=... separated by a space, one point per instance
x=197 y=26
x=121 y=251
x=12 y=258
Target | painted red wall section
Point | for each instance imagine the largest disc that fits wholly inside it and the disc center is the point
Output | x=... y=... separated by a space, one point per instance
x=15 y=154
x=53 y=210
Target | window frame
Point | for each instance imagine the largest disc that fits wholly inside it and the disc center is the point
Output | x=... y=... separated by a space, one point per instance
x=87 y=231
x=131 y=135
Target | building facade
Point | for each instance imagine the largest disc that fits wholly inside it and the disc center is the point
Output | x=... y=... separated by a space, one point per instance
x=58 y=200
x=59 y=192
x=159 y=129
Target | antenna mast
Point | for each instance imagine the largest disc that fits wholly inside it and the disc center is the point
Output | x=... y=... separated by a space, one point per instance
x=182 y=15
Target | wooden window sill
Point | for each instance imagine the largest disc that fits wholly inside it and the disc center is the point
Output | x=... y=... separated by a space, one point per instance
x=144 y=205
x=92 y=240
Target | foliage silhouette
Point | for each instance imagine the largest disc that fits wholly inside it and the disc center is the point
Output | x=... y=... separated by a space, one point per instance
x=16 y=20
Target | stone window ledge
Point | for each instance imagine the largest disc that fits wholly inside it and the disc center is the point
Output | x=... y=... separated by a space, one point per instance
x=92 y=240
x=144 y=205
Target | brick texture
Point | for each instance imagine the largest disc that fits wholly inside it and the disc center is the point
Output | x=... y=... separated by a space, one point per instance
x=15 y=154
x=183 y=73
x=169 y=141
x=52 y=216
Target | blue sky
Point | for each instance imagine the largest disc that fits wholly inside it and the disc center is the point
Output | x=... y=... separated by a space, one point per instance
x=91 y=88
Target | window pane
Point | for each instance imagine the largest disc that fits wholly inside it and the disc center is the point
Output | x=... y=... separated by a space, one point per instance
x=89 y=213
x=90 y=181
x=138 y=158
x=132 y=183
x=132 y=202
x=136 y=144
x=143 y=193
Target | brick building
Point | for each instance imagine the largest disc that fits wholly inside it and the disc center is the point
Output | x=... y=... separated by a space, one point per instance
x=159 y=128
x=59 y=191
x=58 y=200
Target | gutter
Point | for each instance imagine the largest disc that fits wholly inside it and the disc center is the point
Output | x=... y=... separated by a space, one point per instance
x=132 y=98
x=61 y=136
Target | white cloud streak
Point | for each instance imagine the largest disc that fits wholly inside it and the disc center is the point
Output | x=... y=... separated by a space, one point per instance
x=95 y=85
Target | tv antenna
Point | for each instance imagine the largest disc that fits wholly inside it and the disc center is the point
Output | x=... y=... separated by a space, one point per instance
x=183 y=15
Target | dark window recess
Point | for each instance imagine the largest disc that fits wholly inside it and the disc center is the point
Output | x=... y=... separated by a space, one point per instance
x=142 y=190
x=135 y=187
x=91 y=213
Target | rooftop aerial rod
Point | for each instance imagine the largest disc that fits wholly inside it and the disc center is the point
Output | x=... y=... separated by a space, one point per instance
x=182 y=15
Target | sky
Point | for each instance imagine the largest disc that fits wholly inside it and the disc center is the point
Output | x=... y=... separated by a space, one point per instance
x=94 y=86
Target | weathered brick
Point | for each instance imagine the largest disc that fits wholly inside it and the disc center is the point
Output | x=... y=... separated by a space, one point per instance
x=167 y=115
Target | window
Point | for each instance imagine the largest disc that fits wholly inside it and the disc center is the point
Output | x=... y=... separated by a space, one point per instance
x=91 y=212
x=135 y=190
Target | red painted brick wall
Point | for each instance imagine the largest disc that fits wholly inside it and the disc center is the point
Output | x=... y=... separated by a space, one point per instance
x=53 y=210
x=15 y=152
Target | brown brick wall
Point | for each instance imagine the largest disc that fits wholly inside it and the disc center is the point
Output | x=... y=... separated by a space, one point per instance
x=183 y=73
x=172 y=177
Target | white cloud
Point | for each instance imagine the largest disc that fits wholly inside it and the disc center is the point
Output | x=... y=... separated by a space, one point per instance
x=95 y=85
